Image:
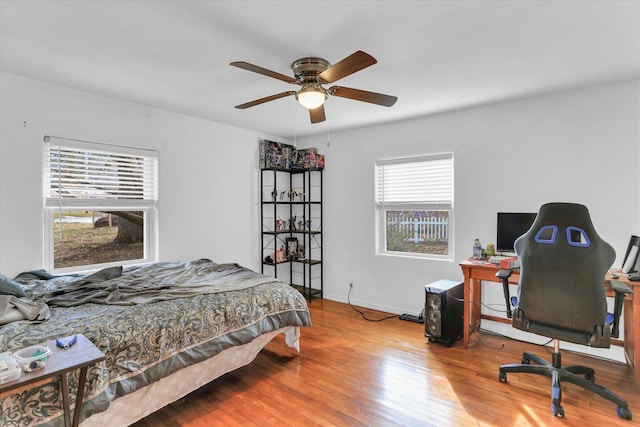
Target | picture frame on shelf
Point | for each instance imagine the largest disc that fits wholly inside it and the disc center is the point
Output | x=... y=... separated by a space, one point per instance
x=292 y=248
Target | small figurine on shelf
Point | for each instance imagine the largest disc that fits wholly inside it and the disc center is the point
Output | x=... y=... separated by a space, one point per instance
x=278 y=225
x=292 y=223
x=278 y=256
x=308 y=224
x=301 y=225
x=301 y=197
x=274 y=194
x=301 y=255
x=282 y=195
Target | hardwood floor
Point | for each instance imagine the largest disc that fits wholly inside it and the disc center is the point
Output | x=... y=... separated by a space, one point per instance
x=352 y=372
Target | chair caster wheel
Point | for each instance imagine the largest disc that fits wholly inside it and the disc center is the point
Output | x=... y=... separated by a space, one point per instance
x=624 y=413
x=557 y=410
x=502 y=376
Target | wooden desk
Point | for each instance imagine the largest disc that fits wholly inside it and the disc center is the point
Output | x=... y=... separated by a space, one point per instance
x=79 y=356
x=477 y=271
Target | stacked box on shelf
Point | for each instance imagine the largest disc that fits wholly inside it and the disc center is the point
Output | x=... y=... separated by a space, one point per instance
x=304 y=157
x=277 y=155
x=308 y=158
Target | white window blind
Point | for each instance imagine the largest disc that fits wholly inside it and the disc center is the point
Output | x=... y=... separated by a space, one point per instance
x=91 y=175
x=418 y=181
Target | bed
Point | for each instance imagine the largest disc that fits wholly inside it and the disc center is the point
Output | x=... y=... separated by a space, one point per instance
x=166 y=329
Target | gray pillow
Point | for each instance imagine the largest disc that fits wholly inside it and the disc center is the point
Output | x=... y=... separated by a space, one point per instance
x=10 y=287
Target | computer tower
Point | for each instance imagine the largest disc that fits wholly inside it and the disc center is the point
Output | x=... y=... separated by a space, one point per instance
x=444 y=309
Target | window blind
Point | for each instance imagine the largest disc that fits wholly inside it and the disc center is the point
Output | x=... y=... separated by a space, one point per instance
x=91 y=175
x=420 y=181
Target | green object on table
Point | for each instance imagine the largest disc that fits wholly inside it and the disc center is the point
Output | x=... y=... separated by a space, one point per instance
x=38 y=353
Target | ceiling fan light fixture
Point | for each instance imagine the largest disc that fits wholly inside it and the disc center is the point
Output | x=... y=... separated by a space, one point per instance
x=311 y=96
x=310 y=74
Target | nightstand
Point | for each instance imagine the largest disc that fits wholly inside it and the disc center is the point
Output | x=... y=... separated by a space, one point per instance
x=79 y=356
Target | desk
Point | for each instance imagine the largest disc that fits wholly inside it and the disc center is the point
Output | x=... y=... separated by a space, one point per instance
x=79 y=356
x=476 y=271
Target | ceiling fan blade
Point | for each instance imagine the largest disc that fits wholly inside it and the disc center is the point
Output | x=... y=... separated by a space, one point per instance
x=363 y=95
x=265 y=99
x=349 y=65
x=263 y=71
x=317 y=114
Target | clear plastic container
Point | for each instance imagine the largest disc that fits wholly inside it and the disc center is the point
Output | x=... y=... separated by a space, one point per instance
x=32 y=358
x=477 y=249
x=9 y=369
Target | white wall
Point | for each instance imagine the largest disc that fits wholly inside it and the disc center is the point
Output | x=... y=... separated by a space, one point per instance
x=208 y=172
x=576 y=146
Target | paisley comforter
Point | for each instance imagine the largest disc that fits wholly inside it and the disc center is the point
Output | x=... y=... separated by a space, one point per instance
x=147 y=338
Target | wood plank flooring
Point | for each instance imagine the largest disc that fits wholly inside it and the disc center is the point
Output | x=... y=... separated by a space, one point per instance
x=352 y=372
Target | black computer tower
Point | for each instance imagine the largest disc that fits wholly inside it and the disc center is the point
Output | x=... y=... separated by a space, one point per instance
x=444 y=309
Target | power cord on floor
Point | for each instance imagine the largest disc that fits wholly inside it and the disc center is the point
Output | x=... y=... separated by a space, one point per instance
x=364 y=315
x=488 y=346
x=497 y=334
x=487 y=306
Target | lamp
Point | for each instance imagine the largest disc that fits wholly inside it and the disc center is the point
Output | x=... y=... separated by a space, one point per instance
x=311 y=96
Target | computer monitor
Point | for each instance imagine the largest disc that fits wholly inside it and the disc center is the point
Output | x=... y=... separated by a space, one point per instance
x=631 y=263
x=510 y=226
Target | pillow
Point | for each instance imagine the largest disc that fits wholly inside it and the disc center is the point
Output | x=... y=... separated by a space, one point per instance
x=10 y=287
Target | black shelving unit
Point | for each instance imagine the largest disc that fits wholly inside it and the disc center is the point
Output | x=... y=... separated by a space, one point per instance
x=291 y=208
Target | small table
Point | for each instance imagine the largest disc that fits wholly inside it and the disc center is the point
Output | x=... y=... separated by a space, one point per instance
x=79 y=356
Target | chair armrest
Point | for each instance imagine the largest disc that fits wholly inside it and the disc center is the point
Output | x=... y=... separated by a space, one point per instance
x=621 y=289
x=504 y=275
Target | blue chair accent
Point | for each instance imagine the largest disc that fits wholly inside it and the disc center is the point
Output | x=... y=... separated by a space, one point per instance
x=609 y=320
x=584 y=242
x=543 y=234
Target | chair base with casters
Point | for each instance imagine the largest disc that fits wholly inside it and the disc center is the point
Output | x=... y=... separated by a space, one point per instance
x=582 y=376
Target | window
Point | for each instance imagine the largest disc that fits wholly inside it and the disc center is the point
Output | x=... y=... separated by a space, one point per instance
x=414 y=206
x=100 y=204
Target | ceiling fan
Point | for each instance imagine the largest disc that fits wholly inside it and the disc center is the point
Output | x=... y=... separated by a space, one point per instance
x=311 y=73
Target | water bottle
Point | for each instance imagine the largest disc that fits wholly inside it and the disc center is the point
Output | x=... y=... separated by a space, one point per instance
x=477 y=249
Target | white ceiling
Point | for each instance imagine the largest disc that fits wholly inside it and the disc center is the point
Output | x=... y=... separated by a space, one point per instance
x=434 y=56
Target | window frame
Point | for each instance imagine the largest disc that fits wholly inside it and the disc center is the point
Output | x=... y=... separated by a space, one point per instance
x=429 y=203
x=148 y=204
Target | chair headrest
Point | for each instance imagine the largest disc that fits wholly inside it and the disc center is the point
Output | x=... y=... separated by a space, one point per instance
x=564 y=230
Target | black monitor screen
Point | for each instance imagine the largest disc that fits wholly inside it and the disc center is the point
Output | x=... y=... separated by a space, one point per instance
x=512 y=225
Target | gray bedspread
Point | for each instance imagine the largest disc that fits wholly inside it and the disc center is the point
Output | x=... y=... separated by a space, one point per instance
x=156 y=282
x=176 y=321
